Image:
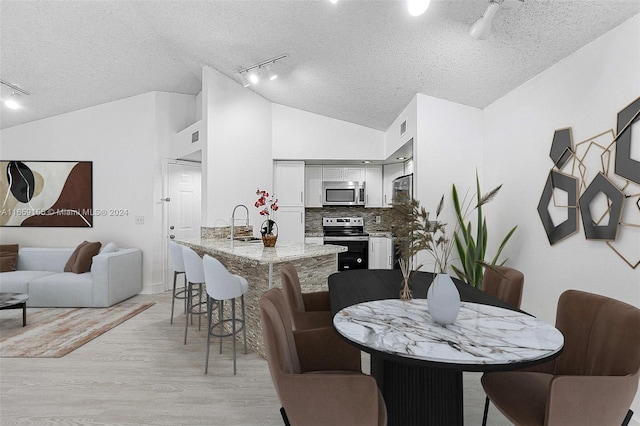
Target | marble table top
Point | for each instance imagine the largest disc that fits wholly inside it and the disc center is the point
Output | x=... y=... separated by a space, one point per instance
x=284 y=251
x=481 y=334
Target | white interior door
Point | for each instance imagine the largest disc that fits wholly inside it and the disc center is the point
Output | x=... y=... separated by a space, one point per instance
x=184 y=182
x=184 y=203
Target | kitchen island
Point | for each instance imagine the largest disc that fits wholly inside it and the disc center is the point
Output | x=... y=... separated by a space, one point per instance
x=261 y=268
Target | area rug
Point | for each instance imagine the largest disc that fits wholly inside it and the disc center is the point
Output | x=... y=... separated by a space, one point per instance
x=55 y=332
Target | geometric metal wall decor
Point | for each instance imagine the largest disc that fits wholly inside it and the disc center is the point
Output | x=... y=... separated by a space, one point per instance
x=598 y=167
x=561 y=147
x=626 y=166
x=569 y=184
x=593 y=230
x=46 y=193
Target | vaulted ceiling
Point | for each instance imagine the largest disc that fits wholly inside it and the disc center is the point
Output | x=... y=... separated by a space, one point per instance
x=358 y=61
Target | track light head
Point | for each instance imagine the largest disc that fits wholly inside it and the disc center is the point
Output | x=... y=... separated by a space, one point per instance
x=12 y=101
x=481 y=29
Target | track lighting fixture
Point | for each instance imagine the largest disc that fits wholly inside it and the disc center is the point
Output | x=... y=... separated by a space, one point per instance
x=12 y=101
x=251 y=75
x=417 y=7
x=481 y=29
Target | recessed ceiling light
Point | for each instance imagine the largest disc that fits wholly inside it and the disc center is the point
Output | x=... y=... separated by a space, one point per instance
x=417 y=7
x=401 y=158
x=366 y=161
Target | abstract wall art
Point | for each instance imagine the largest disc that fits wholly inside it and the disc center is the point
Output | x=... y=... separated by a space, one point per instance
x=46 y=193
x=605 y=172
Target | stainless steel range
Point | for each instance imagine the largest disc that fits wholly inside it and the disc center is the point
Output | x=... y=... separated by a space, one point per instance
x=348 y=232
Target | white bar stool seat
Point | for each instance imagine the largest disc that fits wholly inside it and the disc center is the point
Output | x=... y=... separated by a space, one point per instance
x=175 y=254
x=195 y=279
x=222 y=285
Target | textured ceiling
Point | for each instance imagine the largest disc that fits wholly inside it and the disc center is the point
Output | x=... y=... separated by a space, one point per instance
x=358 y=61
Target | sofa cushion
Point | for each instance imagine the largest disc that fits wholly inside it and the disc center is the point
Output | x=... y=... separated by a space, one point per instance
x=8 y=257
x=80 y=260
x=62 y=290
x=109 y=248
x=18 y=281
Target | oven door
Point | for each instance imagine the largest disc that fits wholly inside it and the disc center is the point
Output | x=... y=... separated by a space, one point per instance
x=356 y=256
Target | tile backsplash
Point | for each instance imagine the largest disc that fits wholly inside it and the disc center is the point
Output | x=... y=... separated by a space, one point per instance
x=313 y=217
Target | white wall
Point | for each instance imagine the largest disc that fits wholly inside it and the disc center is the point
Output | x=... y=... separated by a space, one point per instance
x=237 y=155
x=585 y=92
x=124 y=139
x=447 y=150
x=393 y=140
x=301 y=135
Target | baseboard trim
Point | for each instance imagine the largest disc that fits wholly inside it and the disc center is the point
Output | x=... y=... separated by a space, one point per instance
x=153 y=288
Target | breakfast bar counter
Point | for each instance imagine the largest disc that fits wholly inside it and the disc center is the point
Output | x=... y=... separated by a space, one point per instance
x=260 y=266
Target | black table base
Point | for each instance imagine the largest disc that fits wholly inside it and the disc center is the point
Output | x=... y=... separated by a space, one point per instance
x=418 y=395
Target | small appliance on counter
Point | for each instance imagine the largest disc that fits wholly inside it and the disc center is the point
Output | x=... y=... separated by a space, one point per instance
x=348 y=232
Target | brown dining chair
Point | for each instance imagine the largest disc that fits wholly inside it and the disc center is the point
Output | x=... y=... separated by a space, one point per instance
x=504 y=283
x=308 y=310
x=317 y=375
x=592 y=382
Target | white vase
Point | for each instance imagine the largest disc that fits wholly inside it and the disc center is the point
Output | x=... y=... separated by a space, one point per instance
x=443 y=299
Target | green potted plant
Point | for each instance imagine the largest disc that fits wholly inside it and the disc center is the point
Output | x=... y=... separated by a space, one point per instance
x=472 y=250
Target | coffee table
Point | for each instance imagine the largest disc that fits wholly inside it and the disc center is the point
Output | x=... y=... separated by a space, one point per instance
x=15 y=301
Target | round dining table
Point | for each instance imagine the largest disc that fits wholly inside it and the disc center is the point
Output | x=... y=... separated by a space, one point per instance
x=418 y=363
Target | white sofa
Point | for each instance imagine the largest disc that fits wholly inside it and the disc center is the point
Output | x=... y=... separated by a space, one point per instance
x=114 y=277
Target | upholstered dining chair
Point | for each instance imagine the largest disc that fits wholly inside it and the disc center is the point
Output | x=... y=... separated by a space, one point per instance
x=308 y=310
x=222 y=285
x=592 y=382
x=504 y=283
x=175 y=254
x=194 y=273
x=316 y=374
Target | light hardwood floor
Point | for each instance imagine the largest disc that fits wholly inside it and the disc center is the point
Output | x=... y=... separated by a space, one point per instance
x=140 y=373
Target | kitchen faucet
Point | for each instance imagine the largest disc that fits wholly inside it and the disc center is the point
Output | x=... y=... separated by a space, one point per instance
x=233 y=219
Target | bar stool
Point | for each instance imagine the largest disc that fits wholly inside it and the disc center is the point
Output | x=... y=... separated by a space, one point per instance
x=221 y=285
x=175 y=253
x=195 y=279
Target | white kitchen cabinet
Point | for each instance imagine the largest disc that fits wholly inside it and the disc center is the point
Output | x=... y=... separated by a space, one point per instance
x=380 y=253
x=289 y=183
x=290 y=222
x=343 y=173
x=389 y=173
x=314 y=240
x=373 y=178
x=313 y=186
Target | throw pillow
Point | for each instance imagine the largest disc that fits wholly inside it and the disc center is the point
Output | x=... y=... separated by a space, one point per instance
x=8 y=257
x=109 y=248
x=72 y=259
x=85 y=257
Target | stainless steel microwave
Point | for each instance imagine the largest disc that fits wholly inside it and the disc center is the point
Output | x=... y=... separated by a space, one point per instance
x=343 y=193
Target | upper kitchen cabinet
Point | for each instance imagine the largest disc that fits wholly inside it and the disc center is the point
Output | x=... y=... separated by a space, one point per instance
x=289 y=183
x=373 y=179
x=389 y=173
x=343 y=174
x=313 y=186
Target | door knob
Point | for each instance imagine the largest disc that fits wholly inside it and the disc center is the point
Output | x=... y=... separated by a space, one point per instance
x=172 y=236
x=172 y=227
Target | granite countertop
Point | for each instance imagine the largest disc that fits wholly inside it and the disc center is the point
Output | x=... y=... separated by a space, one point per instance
x=284 y=251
